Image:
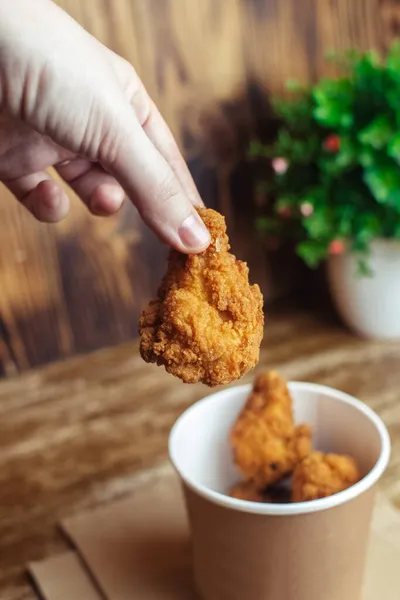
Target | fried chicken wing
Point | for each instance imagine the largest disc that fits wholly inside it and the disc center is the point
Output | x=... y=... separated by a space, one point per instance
x=320 y=475
x=207 y=323
x=265 y=441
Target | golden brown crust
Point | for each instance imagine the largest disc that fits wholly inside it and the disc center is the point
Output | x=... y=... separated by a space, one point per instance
x=320 y=475
x=207 y=322
x=266 y=443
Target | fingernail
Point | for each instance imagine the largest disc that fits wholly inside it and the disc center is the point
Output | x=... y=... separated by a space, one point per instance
x=193 y=233
x=52 y=202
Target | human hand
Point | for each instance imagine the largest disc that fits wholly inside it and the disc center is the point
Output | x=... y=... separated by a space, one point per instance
x=67 y=101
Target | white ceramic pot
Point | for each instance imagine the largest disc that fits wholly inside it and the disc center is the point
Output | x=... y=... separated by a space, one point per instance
x=369 y=305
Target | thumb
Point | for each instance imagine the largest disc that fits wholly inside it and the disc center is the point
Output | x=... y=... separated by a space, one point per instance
x=149 y=181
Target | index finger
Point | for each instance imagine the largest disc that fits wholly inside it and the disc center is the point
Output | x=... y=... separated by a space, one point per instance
x=162 y=139
x=151 y=183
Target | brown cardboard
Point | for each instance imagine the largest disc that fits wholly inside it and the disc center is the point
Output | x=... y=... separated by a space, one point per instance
x=63 y=577
x=138 y=548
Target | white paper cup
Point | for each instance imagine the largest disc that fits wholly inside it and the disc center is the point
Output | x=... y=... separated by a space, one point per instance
x=301 y=551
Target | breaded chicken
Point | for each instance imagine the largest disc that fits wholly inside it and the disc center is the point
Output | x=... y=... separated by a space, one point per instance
x=321 y=475
x=266 y=443
x=207 y=322
x=247 y=490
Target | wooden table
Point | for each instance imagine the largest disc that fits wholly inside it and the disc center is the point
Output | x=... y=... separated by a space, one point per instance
x=83 y=432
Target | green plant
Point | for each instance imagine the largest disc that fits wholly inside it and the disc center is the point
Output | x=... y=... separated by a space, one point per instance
x=336 y=161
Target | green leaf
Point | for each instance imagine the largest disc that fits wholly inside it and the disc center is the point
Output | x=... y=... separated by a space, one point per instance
x=296 y=148
x=371 y=82
x=267 y=225
x=373 y=58
x=318 y=225
x=312 y=252
x=367 y=157
x=367 y=67
x=286 y=201
x=378 y=133
x=393 y=58
x=346 y=157
x=284 y=139
x=347 y=120
x=348 y=152
x=334 y=99
x=368 y=227
x=256 y=149
x=296 y=113
x=393 y=96
x=363 y=268
x=342 y=226
x=329 y=115
x=384 y=183
x=394 y=147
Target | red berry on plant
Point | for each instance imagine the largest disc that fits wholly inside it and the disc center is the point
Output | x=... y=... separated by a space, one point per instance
x=336 y=247
x=332 y=143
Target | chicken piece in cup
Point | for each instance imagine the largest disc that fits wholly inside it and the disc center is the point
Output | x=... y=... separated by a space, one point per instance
x=321 y=475
x=244 y=550
x=266 y=443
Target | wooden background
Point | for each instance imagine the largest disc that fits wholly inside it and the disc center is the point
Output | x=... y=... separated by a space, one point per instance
x=81 y=284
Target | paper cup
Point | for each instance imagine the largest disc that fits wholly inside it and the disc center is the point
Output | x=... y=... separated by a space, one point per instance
x=301 y=551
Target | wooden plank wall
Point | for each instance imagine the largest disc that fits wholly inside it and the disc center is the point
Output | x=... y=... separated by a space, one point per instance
x=81 y=284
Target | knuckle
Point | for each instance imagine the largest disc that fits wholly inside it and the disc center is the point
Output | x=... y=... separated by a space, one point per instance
x=109 y=150
x=134 y=90
x=141 y=104
x=167 y=191
x=112 y=143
